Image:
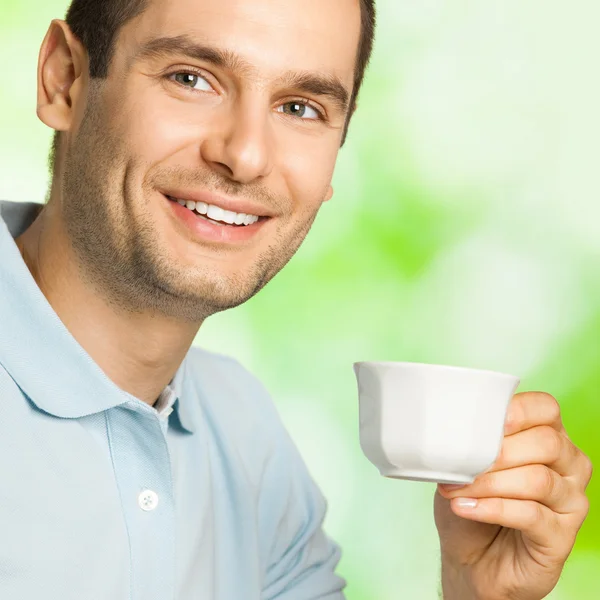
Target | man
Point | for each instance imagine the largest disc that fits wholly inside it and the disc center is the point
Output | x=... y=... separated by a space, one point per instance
x=197 y=141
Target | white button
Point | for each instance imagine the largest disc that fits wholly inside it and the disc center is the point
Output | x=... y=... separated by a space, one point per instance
x=148 y=500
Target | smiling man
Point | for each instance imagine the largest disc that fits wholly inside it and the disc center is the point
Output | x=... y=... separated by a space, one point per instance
x=196 y=141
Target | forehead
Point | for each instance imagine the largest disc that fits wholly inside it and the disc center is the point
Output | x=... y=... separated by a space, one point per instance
x=272 y=35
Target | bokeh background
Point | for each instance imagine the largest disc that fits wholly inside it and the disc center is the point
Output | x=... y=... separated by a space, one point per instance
x=465 y=230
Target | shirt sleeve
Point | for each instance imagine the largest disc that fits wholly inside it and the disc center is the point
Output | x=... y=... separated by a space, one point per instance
x=300 y=558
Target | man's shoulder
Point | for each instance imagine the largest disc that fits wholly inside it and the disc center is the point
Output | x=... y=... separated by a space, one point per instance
x=238 y=413
x=224 y=372
x=230 y=393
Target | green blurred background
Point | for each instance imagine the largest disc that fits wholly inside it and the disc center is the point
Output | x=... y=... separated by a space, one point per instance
x=464 y=230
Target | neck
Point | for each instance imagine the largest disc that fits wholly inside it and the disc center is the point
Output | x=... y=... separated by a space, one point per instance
x=139 y=352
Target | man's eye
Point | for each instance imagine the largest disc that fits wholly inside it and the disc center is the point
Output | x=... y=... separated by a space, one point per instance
x=301 y=110
x=192 y=81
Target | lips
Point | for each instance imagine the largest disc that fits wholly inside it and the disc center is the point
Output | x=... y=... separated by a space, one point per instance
x=236 y=205
x=216 y=214
x=204 y=228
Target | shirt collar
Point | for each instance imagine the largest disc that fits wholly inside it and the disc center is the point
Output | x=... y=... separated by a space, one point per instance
x=44 y=359
x=184 y=397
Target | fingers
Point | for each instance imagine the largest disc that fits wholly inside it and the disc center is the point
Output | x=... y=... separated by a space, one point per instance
x=535 y=434
x=586 y=469
x=536 y=483
x=540 y=525
x=531 y=409
x=542 y=445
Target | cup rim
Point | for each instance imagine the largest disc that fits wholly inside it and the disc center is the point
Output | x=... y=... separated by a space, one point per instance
x=435 y=366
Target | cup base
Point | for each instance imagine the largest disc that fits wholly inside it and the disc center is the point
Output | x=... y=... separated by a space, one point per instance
x=428 y=476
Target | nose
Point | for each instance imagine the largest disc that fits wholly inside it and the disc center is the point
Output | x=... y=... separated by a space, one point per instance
x=240 y=144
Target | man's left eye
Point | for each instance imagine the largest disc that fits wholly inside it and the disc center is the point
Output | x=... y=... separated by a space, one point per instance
x=300 y=110
x=192 y=81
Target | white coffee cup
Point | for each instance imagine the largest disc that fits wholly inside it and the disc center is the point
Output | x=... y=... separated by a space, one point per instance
x=432 y=422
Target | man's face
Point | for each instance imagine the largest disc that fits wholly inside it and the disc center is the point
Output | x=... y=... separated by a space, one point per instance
x=235 y=98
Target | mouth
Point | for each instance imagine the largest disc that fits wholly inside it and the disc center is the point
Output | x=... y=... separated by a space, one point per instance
x=211 y=224
x=217 y=215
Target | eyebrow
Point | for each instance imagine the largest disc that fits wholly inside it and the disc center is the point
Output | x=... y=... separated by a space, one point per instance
x=318 y=84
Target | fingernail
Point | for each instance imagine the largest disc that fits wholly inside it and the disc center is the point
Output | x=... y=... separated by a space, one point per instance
x=450 y=487
x=466 y=502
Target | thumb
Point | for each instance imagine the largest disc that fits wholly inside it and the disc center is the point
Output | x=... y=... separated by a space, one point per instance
x=461 y=540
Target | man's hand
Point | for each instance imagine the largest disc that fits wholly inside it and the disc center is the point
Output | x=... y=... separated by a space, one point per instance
x=509 y=533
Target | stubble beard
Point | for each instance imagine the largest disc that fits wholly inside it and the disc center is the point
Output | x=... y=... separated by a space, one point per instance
x=117 y=253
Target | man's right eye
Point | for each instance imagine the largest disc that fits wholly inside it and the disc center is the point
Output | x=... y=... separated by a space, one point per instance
x=192 y=80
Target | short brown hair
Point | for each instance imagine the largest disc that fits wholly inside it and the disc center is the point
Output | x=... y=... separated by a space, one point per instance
x=97 y=23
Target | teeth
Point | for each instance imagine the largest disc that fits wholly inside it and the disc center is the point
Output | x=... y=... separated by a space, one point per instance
x=229 y=216
x=218 y=214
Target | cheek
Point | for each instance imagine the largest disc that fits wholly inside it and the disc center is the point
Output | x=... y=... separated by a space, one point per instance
x=308 y=172
x=157 y=127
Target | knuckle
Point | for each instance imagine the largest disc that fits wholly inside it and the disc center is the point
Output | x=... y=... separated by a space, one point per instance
x=516 y=408
x=588 y=468
x=544 y=481
x=584 y=509
x=553 y=406
x=551 y=442
x=532 y=514
x=580 y=510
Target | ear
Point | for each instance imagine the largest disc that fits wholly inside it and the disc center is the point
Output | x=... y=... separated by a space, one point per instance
x=329 y=194
x=62 y=66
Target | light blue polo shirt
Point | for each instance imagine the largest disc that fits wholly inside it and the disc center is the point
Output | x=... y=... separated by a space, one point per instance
x=103 y=497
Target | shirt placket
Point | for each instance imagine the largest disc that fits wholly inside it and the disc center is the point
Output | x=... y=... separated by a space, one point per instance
x=141 y=462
